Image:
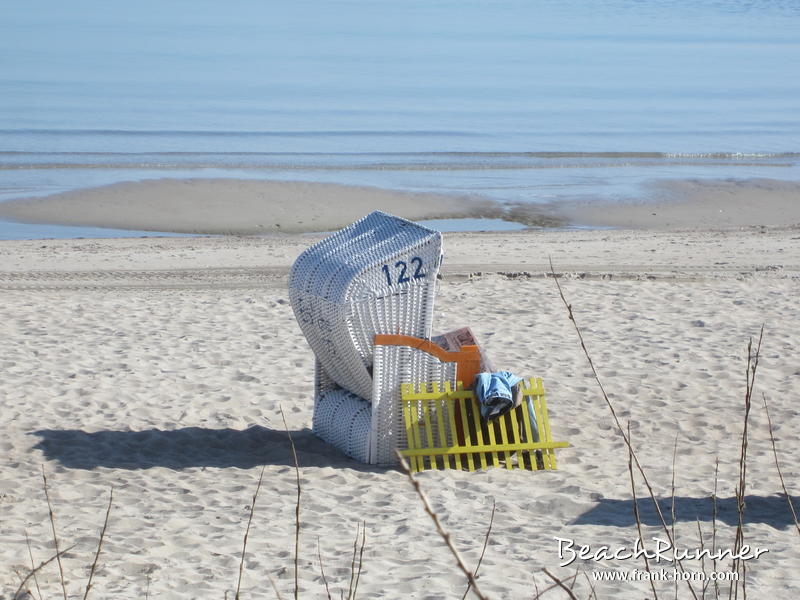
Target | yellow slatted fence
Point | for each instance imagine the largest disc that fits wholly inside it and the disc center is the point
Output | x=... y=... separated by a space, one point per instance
x=445 y=430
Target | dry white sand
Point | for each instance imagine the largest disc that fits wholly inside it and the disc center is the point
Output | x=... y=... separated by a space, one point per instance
x=157 y=366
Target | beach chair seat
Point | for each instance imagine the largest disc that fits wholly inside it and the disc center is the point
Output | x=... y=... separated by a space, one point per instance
x=340 y=417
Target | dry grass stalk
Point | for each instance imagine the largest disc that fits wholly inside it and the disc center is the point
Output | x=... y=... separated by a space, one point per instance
x=99 y=545
x=296 y=507
x=353 y=563
x=55 y=535
x=19 y=575
x=672 y=512
x=702 y=557
x=620 y=429
x=560 y=583
x=355 y=572
x=575 y=579
x=36 y=570
x=274 y=587
x=593 y=592
x=247 y=532
x=33 y=567
x=638 y=518
x=714 y=528
x=778 y=467
x=740 y=566
x=361 y=556
x=442 y=532
x=322 y=571
x=485 y=544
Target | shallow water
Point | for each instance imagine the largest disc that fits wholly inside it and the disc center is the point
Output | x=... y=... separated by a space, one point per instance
x=517 y=101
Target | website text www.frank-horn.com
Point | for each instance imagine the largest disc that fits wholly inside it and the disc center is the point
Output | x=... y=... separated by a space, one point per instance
x=662 y=575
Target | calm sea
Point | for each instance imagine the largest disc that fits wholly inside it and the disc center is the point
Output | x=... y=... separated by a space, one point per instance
x=514 y=100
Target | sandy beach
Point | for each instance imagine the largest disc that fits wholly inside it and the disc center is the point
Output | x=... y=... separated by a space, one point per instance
x=618 y=188
x=157 y=367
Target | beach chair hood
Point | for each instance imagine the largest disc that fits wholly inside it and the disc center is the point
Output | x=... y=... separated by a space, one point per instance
x=376 y=276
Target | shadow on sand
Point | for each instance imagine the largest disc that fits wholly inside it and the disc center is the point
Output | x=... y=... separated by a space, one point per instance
x=193 y=447
x=188 y=448
x=770 y=510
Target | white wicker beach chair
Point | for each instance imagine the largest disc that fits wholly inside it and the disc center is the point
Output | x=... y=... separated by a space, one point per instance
x=375 y=276
x=364 y=300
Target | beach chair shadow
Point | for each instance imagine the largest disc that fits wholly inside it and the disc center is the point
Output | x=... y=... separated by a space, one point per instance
x=187 y=448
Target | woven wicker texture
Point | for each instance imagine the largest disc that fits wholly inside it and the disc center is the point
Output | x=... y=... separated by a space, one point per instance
x=395 y=365
x=377 y=275
x=343 y=420
x=371 y=433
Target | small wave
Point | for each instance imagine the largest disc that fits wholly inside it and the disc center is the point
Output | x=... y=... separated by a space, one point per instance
x=238 y=133
x=419 y=163
x=427 y=155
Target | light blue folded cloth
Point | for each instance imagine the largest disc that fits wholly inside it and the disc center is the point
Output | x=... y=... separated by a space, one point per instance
x=495 y=393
